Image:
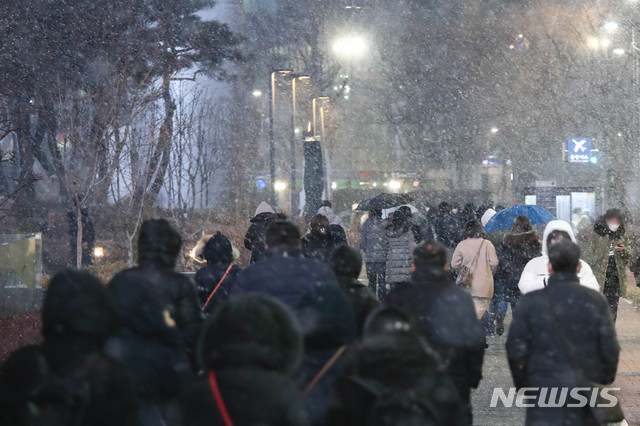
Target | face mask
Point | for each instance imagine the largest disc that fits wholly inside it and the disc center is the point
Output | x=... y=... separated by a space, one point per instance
x=613 y=227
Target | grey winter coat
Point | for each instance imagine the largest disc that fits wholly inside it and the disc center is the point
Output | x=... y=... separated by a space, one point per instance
x=373 y=239
x=399 y=254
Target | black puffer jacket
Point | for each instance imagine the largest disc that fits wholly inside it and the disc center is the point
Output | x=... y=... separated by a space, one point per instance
x=320 y=246
x=256 y=235
x=151 y=351
x=252 y=344
x=218 y=252
x=328 y=322
x=402 y=365
x=446 y=318
x=67 y=379
x=540 y=333
x=158 y=248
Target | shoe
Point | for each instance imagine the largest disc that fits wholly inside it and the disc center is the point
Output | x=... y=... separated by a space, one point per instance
x=500 y=327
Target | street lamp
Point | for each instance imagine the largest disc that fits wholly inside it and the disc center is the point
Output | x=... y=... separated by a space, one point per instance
x=494 y=130
x=257 y=93
x=619 y=51
x=351 y=46
x=272 y=138
x=610 y=27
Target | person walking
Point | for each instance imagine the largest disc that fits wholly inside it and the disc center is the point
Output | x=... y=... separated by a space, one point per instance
x=67 y=379
x=215 y=280
x=446 y=318
x=251 y=347
x=254 y=240
x=562 y=337
x=150 y=349
x=284 y=272
x=159 y=245
x=520 y=245
x=346 y=263
x=475 y=260
x=536 y=274
x=400 y=242
x=372 y=243
x=320 y=242
x=608 y=254
x=392 y=377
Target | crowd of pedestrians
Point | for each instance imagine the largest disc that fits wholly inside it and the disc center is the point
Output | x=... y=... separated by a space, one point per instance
x=297 y=338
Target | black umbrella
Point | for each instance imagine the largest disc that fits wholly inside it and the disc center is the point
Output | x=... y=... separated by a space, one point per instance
x=384 y=201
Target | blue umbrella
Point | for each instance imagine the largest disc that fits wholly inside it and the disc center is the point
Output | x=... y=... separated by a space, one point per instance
x=503 y=220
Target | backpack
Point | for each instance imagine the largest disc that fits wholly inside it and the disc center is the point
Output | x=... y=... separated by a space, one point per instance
x=392 y=407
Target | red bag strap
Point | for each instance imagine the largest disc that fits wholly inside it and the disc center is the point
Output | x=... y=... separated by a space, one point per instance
x=218 y=286
x=218 y=397
x=324 y=370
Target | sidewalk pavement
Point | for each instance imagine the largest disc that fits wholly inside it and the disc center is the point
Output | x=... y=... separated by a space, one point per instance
x=496 y=374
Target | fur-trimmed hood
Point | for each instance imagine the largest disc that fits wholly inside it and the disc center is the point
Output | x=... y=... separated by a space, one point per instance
x=518 y=239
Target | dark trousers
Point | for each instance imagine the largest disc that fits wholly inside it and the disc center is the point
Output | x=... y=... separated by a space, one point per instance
x=611 y=289
x=376 y=273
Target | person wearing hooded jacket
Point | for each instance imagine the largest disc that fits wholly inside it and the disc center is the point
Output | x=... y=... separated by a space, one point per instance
x=393 y=377
x=218 y=252
x=67 y=379
x=250 y=349
x=158 y=248
x=254 y=240
x=346 y=263
x=150 y=348
x=446 y=317
x=328 y=324
x=536 y=274
x=608 y=253
x=321 y=240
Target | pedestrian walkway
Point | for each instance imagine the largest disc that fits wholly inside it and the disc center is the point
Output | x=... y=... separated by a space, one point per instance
x=496 y=374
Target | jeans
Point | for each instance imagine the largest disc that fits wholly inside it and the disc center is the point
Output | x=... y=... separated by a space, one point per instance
x=376 y=274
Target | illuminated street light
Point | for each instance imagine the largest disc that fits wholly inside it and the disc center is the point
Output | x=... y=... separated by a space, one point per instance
x=593 y=43
x=619 y=51
x=280 y=185
x=353 y=46
x=98 y=252
x=494 y=130
x=605 y=42
x=257 y=93
x=395 y=185
x=610 y=27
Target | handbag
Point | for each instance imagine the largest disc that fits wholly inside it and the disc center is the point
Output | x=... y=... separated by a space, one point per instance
x=602 y=415
x=213 y=383
x=224 y=277
x=465 y=276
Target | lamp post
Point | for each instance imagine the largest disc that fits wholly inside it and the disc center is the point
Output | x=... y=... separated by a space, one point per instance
x=272 y=138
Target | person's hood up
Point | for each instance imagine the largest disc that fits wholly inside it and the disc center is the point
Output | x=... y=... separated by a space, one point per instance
x=264 y=207
x=326 y=317
x=556 y=225
x=78 y=304
x=252 y=330
x=520 y=238
x=139 y=308
x=486 y=217
x=329 y=214
x=159 y=242
x=218 y=250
